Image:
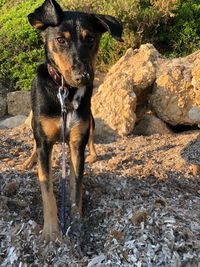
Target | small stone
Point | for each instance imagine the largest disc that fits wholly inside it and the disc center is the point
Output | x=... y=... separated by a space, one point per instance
x=195 y=169
x=144 y=193
x=10 y=189
x=160 y=202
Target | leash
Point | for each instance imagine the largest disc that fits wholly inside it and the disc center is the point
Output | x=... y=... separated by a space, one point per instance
x=62 y=95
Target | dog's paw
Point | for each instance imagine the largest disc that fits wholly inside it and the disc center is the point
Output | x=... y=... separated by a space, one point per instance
x=50 y=232
x=91 y=159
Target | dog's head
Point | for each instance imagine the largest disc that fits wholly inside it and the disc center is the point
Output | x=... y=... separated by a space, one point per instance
x=72 y=39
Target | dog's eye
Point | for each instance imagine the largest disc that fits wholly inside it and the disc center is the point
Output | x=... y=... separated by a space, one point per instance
x=89 y=40
x=61 y=40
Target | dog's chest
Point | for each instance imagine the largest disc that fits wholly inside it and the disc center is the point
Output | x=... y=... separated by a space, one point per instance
x=52 y=127
x=71 y=121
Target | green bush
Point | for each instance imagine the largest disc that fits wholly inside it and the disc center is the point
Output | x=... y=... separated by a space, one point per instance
x=20 y=44
x=181 y=36
x=171 y=25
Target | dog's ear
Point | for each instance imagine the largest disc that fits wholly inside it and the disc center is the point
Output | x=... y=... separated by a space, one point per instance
x=48 y=14
x=110 y=24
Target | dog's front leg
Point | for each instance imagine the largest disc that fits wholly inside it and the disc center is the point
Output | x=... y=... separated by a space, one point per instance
x=92 y=157
x=77 y=143
x=50 y=229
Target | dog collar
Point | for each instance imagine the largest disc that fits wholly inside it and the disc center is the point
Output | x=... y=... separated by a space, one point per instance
x=54 y=75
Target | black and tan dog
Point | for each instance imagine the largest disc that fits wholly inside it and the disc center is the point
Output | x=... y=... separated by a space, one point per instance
x=72 y=40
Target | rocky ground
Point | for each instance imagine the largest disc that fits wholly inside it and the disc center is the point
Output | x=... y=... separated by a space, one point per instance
x=141 y=204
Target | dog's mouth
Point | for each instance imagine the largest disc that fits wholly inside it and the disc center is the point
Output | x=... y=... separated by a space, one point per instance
x=81 y=78
x=78 y=78
x=73 y=79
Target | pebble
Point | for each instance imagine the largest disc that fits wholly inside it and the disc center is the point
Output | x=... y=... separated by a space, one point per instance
x=10 y=189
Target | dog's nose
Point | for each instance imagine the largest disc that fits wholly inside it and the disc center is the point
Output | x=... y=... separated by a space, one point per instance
x=78 y=78
x=82 y=78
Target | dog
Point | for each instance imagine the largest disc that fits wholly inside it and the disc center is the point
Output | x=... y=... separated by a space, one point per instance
x=71 y=44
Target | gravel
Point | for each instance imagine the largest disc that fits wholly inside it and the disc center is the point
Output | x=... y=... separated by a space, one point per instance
x=141 y=204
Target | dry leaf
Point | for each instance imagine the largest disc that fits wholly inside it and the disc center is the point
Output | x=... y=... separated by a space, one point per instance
x=139 y=217
x=117 y=234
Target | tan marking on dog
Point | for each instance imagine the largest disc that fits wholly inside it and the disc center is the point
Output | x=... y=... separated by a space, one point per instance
x=74 y=141
x=67 y=35
x=41 y=175
x=91 y=158
x=61 y=61
x=50 y=229
x=84 y=34
x=51 y=127
x=28 y=164
x=77 y=131
x=63 y=65
x=51 y=45
x=38 y=24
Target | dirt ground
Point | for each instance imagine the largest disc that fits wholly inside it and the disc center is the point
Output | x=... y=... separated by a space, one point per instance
x=141 y=205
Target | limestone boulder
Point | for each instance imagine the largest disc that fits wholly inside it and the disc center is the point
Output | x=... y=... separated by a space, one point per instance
x=12 y=122
x=176 y=92
x=3 y=106
x=3 y=89
x=124 y=90
x=149 y=125
x=19 y=103
x=113 y=107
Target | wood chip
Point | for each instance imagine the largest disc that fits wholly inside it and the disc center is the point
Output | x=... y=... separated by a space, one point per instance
x=139 y=217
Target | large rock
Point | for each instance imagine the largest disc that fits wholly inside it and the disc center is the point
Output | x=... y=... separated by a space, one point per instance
x=12 y=122
x=19 y=103
x=125 y=88
x=176 y=93
x=113 y=107
x=3 y=89
x=3 y=100
x=149 y=125
x=3 y=106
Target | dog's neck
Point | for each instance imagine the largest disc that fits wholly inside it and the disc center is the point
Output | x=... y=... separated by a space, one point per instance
x=78 y=92
x=56 y=77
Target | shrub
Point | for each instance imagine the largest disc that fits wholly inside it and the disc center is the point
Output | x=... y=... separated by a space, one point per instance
x=181 y=36
x=20 y=45
x=171 y=25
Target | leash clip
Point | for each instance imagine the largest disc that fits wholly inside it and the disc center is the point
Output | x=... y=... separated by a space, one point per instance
x=62 y=95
